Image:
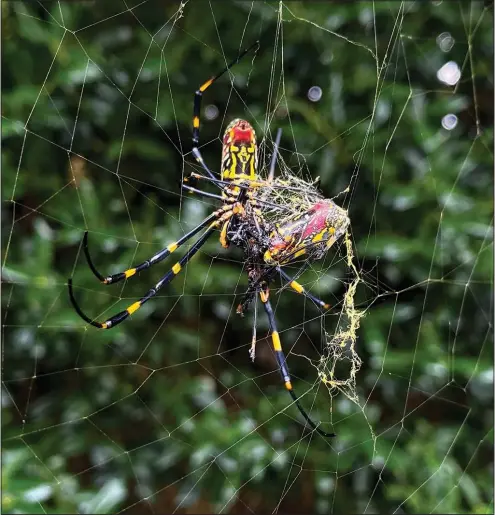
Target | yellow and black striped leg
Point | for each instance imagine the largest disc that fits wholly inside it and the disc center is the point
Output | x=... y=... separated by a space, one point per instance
x=284 y=371
x=156 y=258
x=167 y=278
x=301 y=290
x=197 y=108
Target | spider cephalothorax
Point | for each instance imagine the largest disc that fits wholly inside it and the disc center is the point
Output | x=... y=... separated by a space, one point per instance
x=275 y=221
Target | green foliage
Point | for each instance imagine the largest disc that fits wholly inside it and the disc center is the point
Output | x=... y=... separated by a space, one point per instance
x=168 y=409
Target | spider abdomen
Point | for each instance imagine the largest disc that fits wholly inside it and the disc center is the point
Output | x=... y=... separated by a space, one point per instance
x=239 y=152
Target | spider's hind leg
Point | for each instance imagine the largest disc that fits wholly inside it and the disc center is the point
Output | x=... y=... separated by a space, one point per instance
x=281 y=360
x=256 y=279
x=299 y=288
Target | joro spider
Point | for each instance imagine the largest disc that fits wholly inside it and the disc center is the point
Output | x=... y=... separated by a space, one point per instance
x=271 y=233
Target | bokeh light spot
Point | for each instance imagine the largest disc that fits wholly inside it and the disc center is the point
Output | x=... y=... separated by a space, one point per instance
x=445 y=41
x=449 y=73
x=211 y=112
x=315 y=93
x=449 y=121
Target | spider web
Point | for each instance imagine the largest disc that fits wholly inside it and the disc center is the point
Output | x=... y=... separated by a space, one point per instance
x=167 y=412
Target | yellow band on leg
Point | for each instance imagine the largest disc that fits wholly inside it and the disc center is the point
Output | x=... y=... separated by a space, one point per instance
x=207 y=84
x=296 y=286
x=133 y=307
x=264 y=296
x=223 y=236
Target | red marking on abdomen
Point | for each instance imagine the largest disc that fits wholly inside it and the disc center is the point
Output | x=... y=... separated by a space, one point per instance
x=242 y=135
x=240 y=132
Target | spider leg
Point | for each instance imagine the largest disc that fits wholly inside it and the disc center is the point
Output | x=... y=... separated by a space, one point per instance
x=156 y=258
x=202 y=193
x=292 y=283
x=251 y=184
x=273 y=163
x=245 y=187
x=166 y=279
x=197 y=108
x=284 y=371
x=223 y=214
x=301 y=290
x=252 y=349
x=265 y=276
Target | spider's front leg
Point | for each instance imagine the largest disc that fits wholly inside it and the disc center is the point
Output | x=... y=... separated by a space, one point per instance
x=216 y=219
x=153 y=260
x=198 y=96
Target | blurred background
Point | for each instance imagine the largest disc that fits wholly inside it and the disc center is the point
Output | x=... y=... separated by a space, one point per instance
x=393 y=100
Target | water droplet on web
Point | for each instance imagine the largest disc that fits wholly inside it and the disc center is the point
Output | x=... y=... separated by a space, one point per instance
x=445 y=41
x=281 y=112
x=449 y=73
x=211 y=112
x=314 y=93
x=449 y=121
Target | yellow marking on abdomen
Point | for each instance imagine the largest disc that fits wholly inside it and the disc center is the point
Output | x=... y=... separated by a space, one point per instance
x=252 y=169
x=104 y=325
x=288 y=385
x=296 y=286
x=230 y=173
x=172 y=247
x=176 y=268
x=133 y=307
x=300 y=253
x=276 y=341
x=130 y=272
x=196 y=122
